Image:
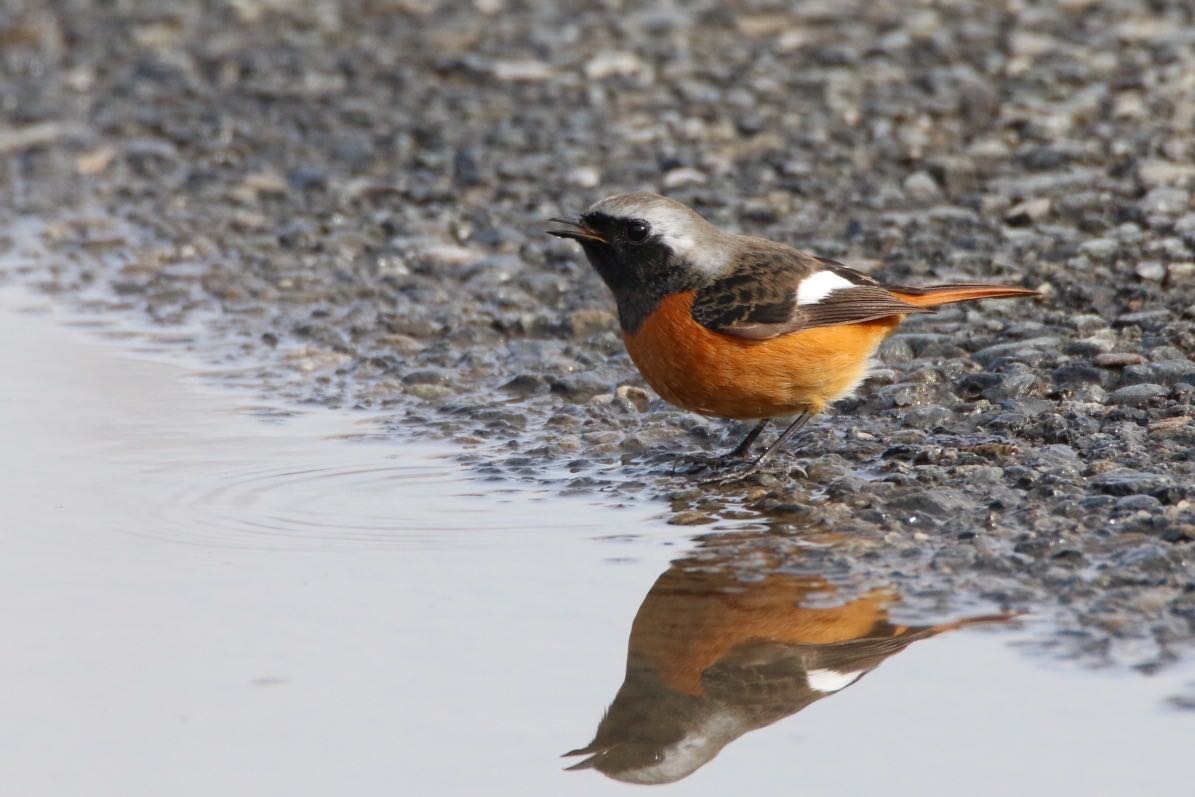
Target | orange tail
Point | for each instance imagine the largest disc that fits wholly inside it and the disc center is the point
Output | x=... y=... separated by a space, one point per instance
x=935 y=295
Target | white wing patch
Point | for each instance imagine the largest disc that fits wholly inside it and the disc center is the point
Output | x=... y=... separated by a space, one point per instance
x=827 y=681
x=819 y=285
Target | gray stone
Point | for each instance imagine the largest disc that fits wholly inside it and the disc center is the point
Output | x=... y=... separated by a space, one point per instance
x=920 y=187
x=1103 y=249
x=1137 y=395
x=1151 y=270
x=1029 y=211
x=990 y=353
x=1166 y=202
x=1131 y=482
x=1138 y=503
x=1119 y=359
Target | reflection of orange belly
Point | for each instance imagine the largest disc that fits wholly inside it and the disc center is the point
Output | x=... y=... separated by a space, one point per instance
x=690 y=620
x=715 y=374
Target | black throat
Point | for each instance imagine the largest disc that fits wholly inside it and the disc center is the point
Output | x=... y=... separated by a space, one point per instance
x=640 y=277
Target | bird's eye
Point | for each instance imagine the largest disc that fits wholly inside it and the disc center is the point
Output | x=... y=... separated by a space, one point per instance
x=637 y=232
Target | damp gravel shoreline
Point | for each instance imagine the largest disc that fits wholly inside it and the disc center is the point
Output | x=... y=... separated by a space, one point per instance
x=351 y=198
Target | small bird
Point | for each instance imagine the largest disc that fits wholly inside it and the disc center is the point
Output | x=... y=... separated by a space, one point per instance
x=739 y=327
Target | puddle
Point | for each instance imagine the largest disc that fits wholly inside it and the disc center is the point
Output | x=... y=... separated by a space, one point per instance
x=203 y=597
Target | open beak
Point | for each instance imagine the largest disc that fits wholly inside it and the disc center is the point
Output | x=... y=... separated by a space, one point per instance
x=577 y=231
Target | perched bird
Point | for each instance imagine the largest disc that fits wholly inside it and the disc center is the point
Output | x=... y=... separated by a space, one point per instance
x=740 y=327
x=712 y=657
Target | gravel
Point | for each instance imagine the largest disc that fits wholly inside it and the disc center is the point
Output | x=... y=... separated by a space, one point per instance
x=343 y=204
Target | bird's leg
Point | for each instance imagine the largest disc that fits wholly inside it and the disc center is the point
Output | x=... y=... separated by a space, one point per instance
x=784 y=437
x=740 y=451
x=704 y=462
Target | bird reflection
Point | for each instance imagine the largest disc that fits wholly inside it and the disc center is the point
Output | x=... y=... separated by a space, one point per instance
x=713 y=655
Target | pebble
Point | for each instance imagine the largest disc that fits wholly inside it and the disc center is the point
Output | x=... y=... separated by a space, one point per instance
x=1137 y=395
x=990 y=353
x=1163 y=172
x=1153 y=317
x=1117 y=359
x=639 y=397
x=585 y=177
x=524 y=71
x=1130 y=482
x=1029 y=211
x=1166 y=202
x=1103 y=249
x=1181 y=272
x=1152 y=270
x=683 y=176
x=920 y=187
x=612 y=63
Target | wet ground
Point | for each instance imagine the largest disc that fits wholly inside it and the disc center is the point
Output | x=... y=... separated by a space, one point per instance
x=351 y=197
x=340 y=206
x=207 y=594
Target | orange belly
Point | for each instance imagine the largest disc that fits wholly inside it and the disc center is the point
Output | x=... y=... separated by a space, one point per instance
x=715 y=374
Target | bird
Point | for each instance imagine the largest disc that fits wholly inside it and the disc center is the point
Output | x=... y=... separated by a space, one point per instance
x=740 y=327
x=713 y=655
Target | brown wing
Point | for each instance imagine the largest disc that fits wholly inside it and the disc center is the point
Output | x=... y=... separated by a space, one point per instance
x=759 y=299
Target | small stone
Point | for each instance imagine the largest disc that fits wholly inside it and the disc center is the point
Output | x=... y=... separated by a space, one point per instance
x=427 y=392
x=1138 y=503
x=265 y=183
x=585 y=177
x=1151 y=270
x=95 y=161
x=1028 y=212
x=1102 y=249
x=1006 y=349
x=1144 y=318
x=690 y=518
x=18 y=139
x=1137 y=395
x=1165 y=202
x=1170 y=247
x=1128 y=105
x=1170 y=372
x=1087 y=323
x=682 y=176
x=590 y=321
x=610 y=63
x=1181 y=272
x=1117 y=359
x=636 y=395
x=526 y=385
x=1075 y=374
x=1161 y=172
x=1168 y=426
x=921 y=187
x=525 y=71
x=445 y=254
x=927 y=417
x=1185 y=224
x=1126 y=481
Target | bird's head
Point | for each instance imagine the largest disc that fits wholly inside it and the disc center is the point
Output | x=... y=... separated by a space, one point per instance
x=646 y=241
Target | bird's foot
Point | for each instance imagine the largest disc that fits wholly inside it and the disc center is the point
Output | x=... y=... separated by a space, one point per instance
x=732 y=475
x=691 y=464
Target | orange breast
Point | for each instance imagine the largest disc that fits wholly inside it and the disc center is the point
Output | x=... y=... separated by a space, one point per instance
x=715 y=374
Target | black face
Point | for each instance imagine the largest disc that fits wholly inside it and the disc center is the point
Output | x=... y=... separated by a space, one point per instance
x=637 y=267
x=626 y=253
